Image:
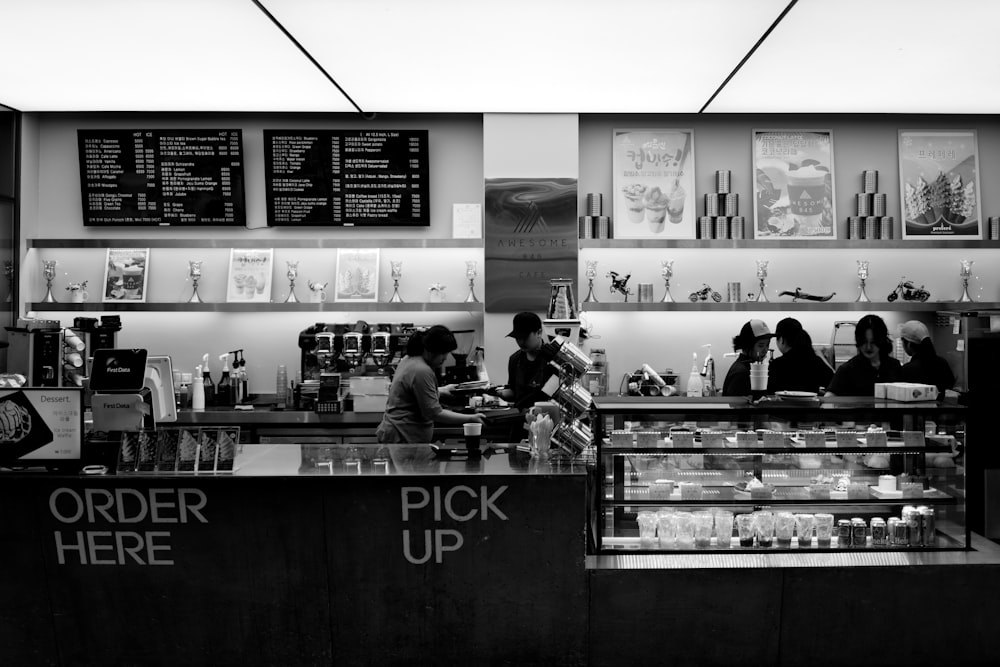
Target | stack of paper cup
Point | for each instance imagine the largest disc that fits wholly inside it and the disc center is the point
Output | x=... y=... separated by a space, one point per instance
x=758 y=376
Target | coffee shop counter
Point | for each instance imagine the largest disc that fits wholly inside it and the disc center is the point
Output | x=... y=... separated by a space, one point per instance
x=389 y=555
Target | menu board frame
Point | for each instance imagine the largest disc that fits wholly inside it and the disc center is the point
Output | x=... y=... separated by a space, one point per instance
x=338 y=166
x=124 y=176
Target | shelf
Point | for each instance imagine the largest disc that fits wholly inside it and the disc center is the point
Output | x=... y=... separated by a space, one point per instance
x=893 y=244
x=252 y=307
x=766 y=451
x=788 y=306
x=317 y=243
x=790 y=495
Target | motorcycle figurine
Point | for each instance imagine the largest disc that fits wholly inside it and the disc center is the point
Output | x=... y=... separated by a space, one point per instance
x=906 y=289
x=620 y=284
x=704 y=293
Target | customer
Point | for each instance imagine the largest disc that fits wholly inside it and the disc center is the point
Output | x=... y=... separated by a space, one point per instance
x=798 y=368
x=925 y=367
x=752 y=344
x=414 y=402
x=527 y=370
x=857 y=376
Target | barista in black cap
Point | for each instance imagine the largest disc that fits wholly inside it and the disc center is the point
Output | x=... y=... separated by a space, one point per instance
x=527 y=370
x=752 y=343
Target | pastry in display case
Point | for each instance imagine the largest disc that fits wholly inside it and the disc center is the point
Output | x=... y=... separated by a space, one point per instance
x=709 y=474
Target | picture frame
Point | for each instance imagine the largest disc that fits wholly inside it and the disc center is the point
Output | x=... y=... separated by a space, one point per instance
x=126 y=274
x=939 y=184
x=794 y=185
x=357 y=275
x=654 y=187
x=250 y=276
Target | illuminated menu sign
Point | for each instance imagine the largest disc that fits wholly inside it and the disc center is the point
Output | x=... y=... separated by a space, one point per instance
x=162 y=177
x=370 y=178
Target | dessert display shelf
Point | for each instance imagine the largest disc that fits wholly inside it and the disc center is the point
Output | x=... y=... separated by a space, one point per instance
x=741 y=306
x=725 y=474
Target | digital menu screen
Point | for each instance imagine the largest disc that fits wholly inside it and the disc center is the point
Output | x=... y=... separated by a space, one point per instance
x=370 y=178
x=162 y=177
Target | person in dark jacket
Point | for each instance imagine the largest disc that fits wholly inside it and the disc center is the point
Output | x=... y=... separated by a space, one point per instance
x=527 y=370
x=925 y=367
x=798 y=368
x=857 y=376
x=752 y=343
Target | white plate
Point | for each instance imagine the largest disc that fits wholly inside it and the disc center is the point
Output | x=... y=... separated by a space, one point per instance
x=797 y=396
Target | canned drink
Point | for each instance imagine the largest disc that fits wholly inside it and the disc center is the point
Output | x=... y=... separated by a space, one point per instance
x=854 y=227
x=734 y=292
x=995 y=229
x=731 y=204
x=879 y=534
x=587 y=227
x=645 y=292
x=595 y=204
x=844 y=533
x=886 y=231
x=872 y=227
x=603 y=227
x=913 y=524
x=705 y=227
x=722 y=181
x=736 y=227
x=899 y=534
x=878 y=204
x=859 y=532
x=869 y=181
x=712 y=204
x=863 y=205
x=928 y=527
x=722 y=227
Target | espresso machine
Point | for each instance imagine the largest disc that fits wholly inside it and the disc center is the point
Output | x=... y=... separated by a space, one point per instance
x=354 y=349
x=36 y=352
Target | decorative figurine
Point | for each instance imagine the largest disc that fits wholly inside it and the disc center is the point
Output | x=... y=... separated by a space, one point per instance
x=906 y=290
x=704 y=294
x=397 y=273
x=470 y=273
x=620 y=284
x=667 y=271
x=591 y=274
x=862 y=276
x=77 y=292
x=437 y=292
x=799 y=294
x=966 y=273
x=49 y=272
x=761 y=275
x=194 y=270
x=292 y=274
x=318 y=291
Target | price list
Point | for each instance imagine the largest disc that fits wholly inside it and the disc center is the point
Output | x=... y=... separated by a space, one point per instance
x=346 y=177
x=162 y=177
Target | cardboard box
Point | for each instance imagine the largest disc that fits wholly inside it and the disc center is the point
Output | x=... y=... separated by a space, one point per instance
x=910 y=391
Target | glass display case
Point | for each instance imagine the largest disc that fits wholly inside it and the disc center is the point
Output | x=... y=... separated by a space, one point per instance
x=789 y=474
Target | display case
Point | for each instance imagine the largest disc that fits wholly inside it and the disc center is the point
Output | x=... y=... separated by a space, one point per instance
x=781 y=474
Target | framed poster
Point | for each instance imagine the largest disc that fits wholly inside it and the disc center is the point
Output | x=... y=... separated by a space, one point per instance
x=125 y=274
x=939 y=184
x=793 y=184
x=250 y=275
x=654 y=194
x=357 y=274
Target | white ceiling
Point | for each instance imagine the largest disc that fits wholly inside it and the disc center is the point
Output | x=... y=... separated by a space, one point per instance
x=588 y=56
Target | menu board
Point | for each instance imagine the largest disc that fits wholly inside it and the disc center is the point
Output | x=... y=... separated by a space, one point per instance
x=162 y=177
x=370 y=178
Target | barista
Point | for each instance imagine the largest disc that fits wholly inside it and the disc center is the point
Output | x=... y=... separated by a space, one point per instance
x=752 y=344
x=857 y=376
x=925 y=367
x=527 y=370
x=798 y=368
x=414 y=403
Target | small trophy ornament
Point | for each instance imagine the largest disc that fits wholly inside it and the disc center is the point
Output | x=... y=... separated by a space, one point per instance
x=966 y=273
x=667 y=271
x=470 y=273
x=591 y=274
x=292 y=274
x=761 y=297
x=862 y=276
x=397 y=273
x=49 y=272
x=194 y=270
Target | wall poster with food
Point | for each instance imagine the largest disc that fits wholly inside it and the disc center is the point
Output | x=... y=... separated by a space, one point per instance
x=939 y=182
x=125 y=273
x=654 y=194
x=793 y=184
x=250 y=278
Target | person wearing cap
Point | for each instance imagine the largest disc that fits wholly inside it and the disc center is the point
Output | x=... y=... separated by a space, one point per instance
x=414 y=402
x=752 y=344
x=527 y=371
x=798 y=368
x=858 y=375
x=925 y=366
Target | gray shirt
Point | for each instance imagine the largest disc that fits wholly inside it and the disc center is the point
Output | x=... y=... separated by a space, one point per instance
x=412 y=405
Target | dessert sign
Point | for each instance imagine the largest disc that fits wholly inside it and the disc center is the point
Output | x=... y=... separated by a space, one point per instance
x=654 y=194
x=793 y=184
x=939 y=181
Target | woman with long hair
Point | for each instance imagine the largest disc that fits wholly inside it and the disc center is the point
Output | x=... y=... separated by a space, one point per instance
x=857 y=376
x=798 y=368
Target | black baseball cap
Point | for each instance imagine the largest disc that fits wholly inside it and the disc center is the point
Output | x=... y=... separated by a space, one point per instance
x=525 y=323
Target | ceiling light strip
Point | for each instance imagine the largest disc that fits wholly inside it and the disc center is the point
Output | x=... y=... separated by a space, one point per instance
x=749 y=53
x=308 y=55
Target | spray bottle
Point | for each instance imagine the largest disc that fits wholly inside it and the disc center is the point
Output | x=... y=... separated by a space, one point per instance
x=695 y=386
x=198 y=390
x=207 y=381
x=708 y=372
x=223 y=394
x=244 y=379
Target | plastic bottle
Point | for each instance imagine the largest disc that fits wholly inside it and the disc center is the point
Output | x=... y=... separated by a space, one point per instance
x=223 y=394
x=198 y=391
x=480 y=361
x=695 y=387
x=244 y=381
x=708 y=372
x=206 y=378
